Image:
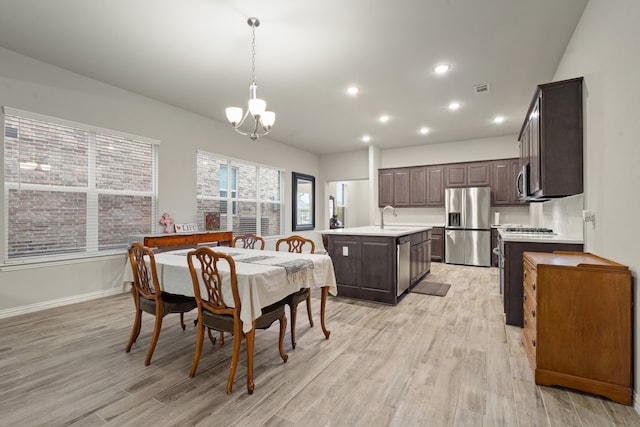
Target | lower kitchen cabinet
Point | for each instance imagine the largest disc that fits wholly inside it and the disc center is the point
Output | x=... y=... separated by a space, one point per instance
x=420 y=256
x=578 y=330
x=437 y=244
x=511 y=274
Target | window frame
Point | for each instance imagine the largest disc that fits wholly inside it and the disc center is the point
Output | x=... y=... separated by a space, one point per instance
x=92 y=191
x=232 y=201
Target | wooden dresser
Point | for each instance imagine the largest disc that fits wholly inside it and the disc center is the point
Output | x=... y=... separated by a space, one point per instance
x=171 y=241
x=578 y=322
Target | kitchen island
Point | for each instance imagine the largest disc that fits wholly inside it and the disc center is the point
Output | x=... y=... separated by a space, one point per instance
x=377 y=264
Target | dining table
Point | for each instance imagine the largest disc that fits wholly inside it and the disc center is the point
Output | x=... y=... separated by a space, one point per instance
x=264 y=277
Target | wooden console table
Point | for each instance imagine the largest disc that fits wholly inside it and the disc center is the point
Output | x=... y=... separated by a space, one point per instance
x=164 y=241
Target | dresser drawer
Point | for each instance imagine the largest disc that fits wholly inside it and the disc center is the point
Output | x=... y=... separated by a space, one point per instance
x=529 y=341
x=529 y=276
x=529 y=310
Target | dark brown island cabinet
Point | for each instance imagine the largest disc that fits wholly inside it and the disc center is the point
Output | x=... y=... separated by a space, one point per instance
x=366 y=266
x=578 y=330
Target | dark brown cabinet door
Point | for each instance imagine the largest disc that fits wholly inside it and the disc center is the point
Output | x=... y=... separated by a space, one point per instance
x=495 y=258
x=385 y=187
x=402 y=187
x=534 y=149
x=437 y=244
x=479 y=174
x=503 y=182
x=435 y=186
x=456 y=175
x=418 y=192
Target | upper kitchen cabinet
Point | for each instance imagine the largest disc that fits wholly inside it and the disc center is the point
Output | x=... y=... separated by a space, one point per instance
x=418 y=184
x=551 y=141
x=394 y=187
x=503 y=182
x=474 y=174
x=385 y=187
x=435 y=185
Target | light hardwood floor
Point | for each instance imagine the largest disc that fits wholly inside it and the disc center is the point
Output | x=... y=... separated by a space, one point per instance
x=429 y=361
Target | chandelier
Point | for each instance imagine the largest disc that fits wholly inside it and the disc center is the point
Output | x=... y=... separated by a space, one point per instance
x=262 y=120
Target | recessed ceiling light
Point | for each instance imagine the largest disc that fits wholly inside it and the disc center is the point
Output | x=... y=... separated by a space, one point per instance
x=383 y=118
x=366 y=138
x=424 y=130
x=442 y=68
x=498 y=119
x=454 y=106
x=352 y=90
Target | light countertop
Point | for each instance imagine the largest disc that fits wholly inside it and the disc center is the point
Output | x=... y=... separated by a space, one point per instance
x=391 y=230
x=538 y=237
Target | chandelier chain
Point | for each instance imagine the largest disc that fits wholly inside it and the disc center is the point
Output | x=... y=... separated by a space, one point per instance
x=253 y=54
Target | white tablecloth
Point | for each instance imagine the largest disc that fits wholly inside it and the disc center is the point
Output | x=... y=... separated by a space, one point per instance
x=260 y=282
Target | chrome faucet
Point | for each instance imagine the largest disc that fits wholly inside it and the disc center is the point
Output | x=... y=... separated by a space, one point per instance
x=382 y=214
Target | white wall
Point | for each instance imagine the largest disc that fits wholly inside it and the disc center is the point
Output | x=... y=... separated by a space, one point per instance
x=38 y=87
x=502 y=147
x=605 y=50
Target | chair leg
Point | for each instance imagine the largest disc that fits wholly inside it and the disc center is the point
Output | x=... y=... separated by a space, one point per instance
x=283 y=332
x=135 y=332
x=211 y=337
x=294 y=313
x=182 y=321
x=237 y=340
x=154 y=340
x=221 y=338
x=250 y=337
x=196 y=356
x=309 y=308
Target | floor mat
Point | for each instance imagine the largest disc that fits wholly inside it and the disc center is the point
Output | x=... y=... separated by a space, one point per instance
x=431 y=288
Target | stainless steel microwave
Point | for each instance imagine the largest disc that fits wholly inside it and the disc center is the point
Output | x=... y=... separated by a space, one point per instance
x=522 y=182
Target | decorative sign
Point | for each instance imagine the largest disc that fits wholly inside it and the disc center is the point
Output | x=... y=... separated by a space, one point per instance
x=186 y=228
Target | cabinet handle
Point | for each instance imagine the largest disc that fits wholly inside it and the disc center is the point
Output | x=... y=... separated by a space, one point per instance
x=533 y=312
x=533 y=341
x=525 y=273
x=534 y=285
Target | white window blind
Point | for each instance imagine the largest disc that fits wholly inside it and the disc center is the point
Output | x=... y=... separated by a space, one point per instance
x=239 y=196
x=73 y=190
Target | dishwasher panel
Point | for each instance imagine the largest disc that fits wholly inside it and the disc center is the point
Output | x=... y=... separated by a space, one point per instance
x=403 y=252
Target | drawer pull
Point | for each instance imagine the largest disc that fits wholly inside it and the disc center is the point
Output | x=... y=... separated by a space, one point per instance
x=525 y=273
x=524 y=297
x=533 y=312
x=533 y=341
x=534 y=285
x=525 y=322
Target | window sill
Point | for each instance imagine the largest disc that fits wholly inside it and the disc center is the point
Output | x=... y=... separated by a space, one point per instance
x=29 y=264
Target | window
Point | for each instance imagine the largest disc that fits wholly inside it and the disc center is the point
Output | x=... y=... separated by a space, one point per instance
x=246 y=197
x=73 y=190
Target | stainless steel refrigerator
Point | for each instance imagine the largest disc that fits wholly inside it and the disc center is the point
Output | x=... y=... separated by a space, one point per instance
x=468 y=228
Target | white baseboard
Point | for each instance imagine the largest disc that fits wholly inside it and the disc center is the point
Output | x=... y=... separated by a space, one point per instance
x=10 y=312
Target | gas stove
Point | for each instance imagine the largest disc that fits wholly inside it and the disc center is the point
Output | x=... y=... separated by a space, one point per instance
x=537 y=230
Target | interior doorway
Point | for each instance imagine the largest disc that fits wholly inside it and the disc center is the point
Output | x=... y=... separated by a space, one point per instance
x=348 y=203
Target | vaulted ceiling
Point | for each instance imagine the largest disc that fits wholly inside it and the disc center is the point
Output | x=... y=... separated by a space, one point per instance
x=196 y=55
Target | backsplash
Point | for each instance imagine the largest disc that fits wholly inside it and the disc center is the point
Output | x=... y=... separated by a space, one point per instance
x=564 y=215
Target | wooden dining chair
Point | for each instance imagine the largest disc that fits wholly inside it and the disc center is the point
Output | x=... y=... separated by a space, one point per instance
x=297 y=244
x=215 y=313
x=148 y=297
x=248 y=241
